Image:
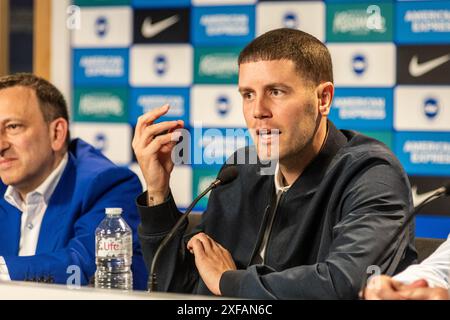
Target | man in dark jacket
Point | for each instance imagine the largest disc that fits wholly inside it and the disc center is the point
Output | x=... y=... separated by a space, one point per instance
x=313 y=228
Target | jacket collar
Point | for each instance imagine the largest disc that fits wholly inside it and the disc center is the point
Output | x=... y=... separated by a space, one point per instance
x=59 y=204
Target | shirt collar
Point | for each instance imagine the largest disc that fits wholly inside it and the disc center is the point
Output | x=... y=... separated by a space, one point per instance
x=43 y=191
x=278 y=178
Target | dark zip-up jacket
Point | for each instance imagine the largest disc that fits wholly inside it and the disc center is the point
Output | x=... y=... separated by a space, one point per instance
x=328 y=229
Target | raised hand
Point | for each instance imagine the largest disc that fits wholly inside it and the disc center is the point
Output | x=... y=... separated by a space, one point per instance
x=153 y=144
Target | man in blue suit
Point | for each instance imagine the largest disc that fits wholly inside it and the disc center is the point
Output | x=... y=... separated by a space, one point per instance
x=54 y=191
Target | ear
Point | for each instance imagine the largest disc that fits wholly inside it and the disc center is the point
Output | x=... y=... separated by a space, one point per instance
x=58 y=133
x=325 y=93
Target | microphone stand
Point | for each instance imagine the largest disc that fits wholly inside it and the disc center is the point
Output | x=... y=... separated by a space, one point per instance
x=152 y=283
x=436 y=195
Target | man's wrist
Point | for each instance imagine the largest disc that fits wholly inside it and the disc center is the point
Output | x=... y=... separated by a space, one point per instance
x=156 y=198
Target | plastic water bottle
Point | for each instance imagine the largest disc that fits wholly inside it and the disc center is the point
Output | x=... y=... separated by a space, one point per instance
x=114 y=250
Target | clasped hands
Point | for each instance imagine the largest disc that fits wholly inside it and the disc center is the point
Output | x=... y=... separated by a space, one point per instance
x=385 y=288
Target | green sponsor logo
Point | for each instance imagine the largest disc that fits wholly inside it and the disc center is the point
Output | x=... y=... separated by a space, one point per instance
x=360 y=22
x=383 y=136
x=216 y=65
x=202 y=178
x=92 y=3
x=101 y=104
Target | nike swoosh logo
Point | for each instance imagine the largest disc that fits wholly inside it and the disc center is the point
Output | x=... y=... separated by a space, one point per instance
x=150 y=30
x=417 y=69
x=419 y=198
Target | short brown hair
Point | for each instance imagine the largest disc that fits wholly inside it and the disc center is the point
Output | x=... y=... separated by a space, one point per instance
x=310 y=56
x=51 y=101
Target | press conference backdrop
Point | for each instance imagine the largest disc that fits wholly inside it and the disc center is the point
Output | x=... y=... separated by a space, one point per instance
x=391 y=67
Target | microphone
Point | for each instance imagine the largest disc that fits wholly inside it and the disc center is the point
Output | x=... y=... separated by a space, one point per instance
x=433 y=195
x=226 y=175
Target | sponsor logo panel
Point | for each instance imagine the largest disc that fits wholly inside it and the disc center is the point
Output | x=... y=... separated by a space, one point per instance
x=221 y=2
x=216 y=65
x=421 y=186
x=137 y=170
x=233 y=25
x=160 y=4
x=342 y=1
x=423 y=22
x=100 y=66
x=101 y=104
x=362 y=109
x=147 y=99
x=113 y=140
x=423 y=64
x=181 y=185
x=103 y=27
x=161 y=65
x=384 y=136
x=309 y=17
x=363 y=65
x=216 y=106
x=365 y=22
x=101 y=2
x=202 y=178
x=424 y=153
x=161 y=26
x=213 y=146
x=432 y=226
x=422 y=108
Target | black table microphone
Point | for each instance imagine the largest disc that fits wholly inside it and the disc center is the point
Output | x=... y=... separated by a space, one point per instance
x=436 y=194
x=226 y=175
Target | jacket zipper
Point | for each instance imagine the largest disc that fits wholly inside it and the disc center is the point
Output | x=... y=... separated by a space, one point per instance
x=270 y=227
x=263 y=224
x=258 y=242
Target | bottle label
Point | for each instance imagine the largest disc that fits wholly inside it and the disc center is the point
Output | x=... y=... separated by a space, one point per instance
x=110 y=247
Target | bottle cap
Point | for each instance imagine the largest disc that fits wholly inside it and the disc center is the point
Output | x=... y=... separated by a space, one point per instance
x=113 y=211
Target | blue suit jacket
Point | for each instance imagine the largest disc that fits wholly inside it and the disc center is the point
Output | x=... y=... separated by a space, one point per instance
x=90 y=183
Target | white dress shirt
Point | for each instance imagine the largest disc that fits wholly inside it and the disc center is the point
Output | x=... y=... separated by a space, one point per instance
x=33 y=209
x=435 y=269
